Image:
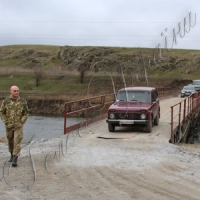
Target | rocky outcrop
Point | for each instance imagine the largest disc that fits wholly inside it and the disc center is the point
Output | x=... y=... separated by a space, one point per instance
x=94 y=59
x=111 y=59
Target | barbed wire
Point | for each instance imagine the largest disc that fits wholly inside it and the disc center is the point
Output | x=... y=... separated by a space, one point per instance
x=7 y=167
x=70 y=139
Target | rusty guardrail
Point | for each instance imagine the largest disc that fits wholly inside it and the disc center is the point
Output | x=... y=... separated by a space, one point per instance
x=182 y=114
x=89 y=113
x=89 y=110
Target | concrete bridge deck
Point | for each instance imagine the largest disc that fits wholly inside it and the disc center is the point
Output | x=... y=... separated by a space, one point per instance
x=136 y=166
x=132 y=164
x=126 y=132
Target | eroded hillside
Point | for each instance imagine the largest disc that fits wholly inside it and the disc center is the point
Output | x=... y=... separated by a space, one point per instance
x=110 y=59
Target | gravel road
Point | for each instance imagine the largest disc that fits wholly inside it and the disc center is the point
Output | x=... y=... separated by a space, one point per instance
x=125 y=165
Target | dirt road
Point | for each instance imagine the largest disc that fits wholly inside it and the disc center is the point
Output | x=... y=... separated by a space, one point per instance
x=125 y=165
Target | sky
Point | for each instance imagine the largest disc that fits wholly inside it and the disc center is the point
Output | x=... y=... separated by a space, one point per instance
x=172 y=24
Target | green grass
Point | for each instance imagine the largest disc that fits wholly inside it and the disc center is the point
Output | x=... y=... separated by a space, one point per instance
x=36 y=47
x=56 y=85
x=70 y=85
x=63 y=81
x=11 y=62
x=17 y=55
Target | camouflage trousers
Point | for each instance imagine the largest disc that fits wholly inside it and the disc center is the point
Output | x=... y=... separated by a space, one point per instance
x=14 y=137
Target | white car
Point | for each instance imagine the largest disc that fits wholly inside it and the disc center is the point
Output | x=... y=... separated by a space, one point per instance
x=188 y=90
x=196 y=83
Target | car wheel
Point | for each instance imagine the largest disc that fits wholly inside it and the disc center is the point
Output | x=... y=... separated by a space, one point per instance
x=149 y=126
x=156 y=120
x=111 y=127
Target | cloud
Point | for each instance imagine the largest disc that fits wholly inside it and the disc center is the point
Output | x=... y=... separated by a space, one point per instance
x=127 y=23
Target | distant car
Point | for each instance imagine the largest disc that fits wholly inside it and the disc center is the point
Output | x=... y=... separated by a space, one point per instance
x=188 y=90
x=134 y=105
x=196 y=83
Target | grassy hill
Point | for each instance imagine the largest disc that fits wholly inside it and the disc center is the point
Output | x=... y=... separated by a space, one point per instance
x=70 y=70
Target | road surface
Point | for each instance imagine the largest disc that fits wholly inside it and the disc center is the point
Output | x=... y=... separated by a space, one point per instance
x=124 y=165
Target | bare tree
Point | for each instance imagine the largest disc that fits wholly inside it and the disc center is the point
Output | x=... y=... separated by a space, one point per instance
x=38 y=74
x=83 y=68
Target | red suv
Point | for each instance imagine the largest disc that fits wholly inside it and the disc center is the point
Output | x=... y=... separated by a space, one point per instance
x=134 y=105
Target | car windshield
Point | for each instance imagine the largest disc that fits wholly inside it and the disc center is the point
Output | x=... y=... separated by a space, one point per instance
x=133 y=96
x=196 y=82
x=188 y=88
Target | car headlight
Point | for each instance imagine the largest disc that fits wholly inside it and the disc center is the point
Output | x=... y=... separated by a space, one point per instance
x=143 y=116
x=112 y=115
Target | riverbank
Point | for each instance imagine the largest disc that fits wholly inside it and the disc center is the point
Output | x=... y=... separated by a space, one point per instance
x=47 y=106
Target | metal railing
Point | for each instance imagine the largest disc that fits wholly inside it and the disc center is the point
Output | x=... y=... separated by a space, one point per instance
x=95 y=108
x=89 y=110
x=181 y=115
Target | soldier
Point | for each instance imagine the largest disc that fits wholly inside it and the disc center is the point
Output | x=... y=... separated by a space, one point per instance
x=14 y=113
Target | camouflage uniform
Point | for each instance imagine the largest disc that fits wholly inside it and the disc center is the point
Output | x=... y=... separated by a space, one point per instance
x=14 y=113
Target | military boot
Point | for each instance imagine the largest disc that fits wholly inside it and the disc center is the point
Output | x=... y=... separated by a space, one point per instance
x=14 y=161
x=11 y=158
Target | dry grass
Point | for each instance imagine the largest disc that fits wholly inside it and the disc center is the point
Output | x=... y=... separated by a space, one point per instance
x=3 y=140
x=60 y=80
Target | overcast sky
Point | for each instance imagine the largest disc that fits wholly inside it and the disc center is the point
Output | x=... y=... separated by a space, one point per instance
x=112 y=23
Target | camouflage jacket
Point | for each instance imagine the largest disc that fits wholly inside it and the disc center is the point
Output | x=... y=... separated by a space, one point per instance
x=14 y=112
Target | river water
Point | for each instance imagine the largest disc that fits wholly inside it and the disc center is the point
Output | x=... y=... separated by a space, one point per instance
x=42 y=127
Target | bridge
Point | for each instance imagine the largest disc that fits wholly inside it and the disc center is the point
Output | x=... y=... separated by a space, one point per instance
x=180 y=114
